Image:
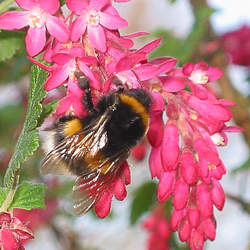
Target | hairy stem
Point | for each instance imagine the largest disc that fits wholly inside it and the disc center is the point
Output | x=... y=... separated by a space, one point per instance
x=11 y=193
x=5 y=4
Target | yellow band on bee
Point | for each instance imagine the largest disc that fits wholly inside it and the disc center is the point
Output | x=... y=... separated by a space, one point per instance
x=137 y=107
x=72 y=127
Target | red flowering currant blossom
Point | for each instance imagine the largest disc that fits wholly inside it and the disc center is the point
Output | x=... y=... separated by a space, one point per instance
x=38 y=15
x=186 y=160
x=139 y=151
x=13 y=233
x=159 y=229
x=94 y=16
x=184 y=155
x=237 y=46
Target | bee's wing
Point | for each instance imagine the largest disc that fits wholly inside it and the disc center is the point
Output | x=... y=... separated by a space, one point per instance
x=89 y=188
x=79 y=155
x=67 y=158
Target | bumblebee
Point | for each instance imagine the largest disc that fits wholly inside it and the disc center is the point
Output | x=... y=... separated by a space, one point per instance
x=93 y=148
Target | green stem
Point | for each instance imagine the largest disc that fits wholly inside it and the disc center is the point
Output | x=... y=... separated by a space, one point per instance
x=11 y=193
x=5 y=4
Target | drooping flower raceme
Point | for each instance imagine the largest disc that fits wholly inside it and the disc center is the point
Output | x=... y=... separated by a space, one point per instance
x=184 y=155
x=159 y=229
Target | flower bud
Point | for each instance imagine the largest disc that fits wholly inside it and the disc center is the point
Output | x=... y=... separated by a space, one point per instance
x=102 y=207
x=209 y=228
x=184 y=230
x=176 y=217
x=194 y=217
x=166 y=185
x=180 y=196
x=196 y=240
x=218 y=195
x=188 y=168
x=170 y=147
x=120 y=189
x=204 y=201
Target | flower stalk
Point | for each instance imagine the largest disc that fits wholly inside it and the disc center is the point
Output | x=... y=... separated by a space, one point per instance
x=5 y=4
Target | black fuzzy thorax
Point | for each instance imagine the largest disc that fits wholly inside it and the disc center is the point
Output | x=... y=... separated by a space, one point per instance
x=124 y=127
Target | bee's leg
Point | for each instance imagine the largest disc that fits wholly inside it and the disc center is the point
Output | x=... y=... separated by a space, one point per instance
x=119 y=84
x=87 y=98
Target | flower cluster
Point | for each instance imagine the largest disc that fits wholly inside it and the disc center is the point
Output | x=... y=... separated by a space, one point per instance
x=159 y=228
x=13 y=233
x=237 y=45
x=184 y=154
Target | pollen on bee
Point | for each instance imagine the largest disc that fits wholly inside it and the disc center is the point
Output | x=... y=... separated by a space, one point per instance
x=72 y=127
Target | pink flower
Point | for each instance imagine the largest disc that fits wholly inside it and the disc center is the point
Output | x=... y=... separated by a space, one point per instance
x=13 y=233
x=95 y=17
x=158 y=227
x=116 y=188
x=201 y=73
x=139 y=151
x=38 y=16
x=237 y=46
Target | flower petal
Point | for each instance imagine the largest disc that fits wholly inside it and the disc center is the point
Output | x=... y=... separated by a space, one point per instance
x=172 y=84
x=98 y=4
x=35 y=40
x=56 y=78
x=27 y=4
x=188 y=68
x=87 y=72
x=57 y=28
x=150 y=46
x=13 y=20
x=61 y=58
x=136 y=34
x=214 y=73
x=127 y=62
x=50 y=6
x=97 y=37
x=78 y=28
x=63 y=106
x=112 y=22
x=77 y=6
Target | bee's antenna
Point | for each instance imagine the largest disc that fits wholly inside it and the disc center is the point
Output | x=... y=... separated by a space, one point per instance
x=83 y=82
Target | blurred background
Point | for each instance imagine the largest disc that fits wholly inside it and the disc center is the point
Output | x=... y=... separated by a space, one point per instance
x=214 y=31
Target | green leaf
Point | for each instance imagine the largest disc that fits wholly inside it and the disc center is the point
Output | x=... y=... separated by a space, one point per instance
x=28 y=140
x=10 y=43
x=144 y=199
x=3 y=195
x=245 y=166
x=28 y=196
x=172 y=1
